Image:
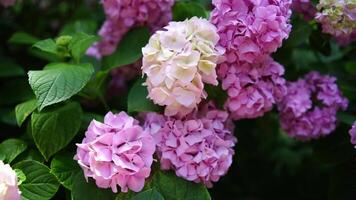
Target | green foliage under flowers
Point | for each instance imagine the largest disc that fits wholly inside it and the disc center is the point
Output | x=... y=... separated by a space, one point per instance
x=45 y=112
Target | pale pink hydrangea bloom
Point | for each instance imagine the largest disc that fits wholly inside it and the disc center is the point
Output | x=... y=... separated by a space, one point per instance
x=116 y=152
x=308 y=110
x=8 y=183
x=251 y=30
x=178 y=61
x=122 y=15
x=7 y=3
x=199 y=147
x=338 y=18
x=252 y=89
x=352 y=133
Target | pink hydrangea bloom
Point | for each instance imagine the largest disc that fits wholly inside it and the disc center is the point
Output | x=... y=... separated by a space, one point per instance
x=252 y=88
x=7 y=3
x=352 y=133
x=178 y=61
x=251 y=30
x=116 y=152
x=304 y=7
x=338 y=18
x=308 y=111
x=122 y=15
x=199 y=147
x=8 y=183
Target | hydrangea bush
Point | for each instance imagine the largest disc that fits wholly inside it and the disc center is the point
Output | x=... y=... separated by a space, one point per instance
x=177 y=99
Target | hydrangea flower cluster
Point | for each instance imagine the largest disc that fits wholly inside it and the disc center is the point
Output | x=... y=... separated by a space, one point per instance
x=304 y=7
x=7 y=3
x=199 y=147
x=352 y=133
x=251 y=30
x=252 y=88
x=308 y=111
x=178 y=61
x=8 y=183
x=338 y=18
x=116 y=152
x=122 y=15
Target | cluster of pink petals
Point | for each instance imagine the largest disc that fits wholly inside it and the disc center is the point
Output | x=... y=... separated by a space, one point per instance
x=308 y=111
x=7 y=3
x=8 y=183
x=250 y=30
x=338 y=18
x=305 y=8
x=116 y=152
x=352 y=133
x=178 y=61
x=122 y=15
x=252 y=88
x=199 y=147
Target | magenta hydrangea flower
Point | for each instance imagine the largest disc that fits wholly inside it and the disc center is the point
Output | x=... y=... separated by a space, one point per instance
x=338 y=18
x=198 y=148
x=116 y=152
x=122 y=15
x=308 y=111
x=251 y=30
x=252 y=88
x=352 y=133
x=305 y=8
x=7 y=3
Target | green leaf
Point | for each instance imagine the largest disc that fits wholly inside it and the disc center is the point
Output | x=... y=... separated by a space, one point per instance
x=89 y=191
x=20 y=176
x=138 y=101
x=129 y=49
x=187 y=10
x=29 y=154
x=346 y=118
x=52 y=130
x=24 y=110
x=175 y=188
x=65 y=169
x=58 y=82
x=300 y=33
x=350 y=67
x=11 y=148
x=10 y=69
x=151 y=194
x=7 y=116
x=39 y=183
x=80 y=43
x=304 y=58
x=22 y=38
x=48 y=46
x=96 y=86
x=85 y=26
